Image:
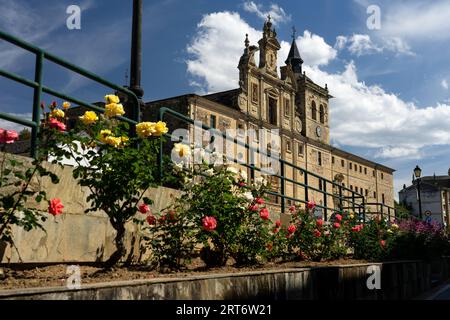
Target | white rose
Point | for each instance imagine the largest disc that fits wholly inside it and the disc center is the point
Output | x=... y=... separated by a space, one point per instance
x=260 y=181
x=233 y=170
x=248 y=195
x=209 y=172
x=243 y=174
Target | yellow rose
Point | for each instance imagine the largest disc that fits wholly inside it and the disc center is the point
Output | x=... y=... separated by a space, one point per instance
x=111 y=98
x=124 y=140
x=104 y=134
x=145 y=129
x=113 y=110
x=160 y=129
x=394 y=226
x=113 y=141
x=181 y=150
x=57 y=113
x=351 y=215
x=89 y=117
x=66 y=105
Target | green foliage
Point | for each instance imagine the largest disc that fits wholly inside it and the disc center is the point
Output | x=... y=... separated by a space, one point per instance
x=222 y=194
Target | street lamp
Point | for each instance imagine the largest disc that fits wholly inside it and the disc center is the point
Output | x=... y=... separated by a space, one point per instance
x=417 y=174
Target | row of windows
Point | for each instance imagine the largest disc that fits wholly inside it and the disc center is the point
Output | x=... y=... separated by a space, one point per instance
x=272 y=104
x=352 y=166
x=321 y=112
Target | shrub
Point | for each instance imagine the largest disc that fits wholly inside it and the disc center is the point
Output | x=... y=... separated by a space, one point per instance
x=116 y=163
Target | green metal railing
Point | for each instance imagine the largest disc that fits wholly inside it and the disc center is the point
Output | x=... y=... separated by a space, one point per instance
x=40 y=88
x=354 y=201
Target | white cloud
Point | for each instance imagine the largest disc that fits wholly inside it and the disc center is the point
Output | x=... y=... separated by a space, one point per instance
x=216 y=48
x=362 y=44
x=277 y=13
x=314 y=50
x=444 y=84
x=417 y=20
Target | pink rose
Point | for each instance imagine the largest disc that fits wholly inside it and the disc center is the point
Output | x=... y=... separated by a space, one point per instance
x=209 y=223
x=310 y=205
x=336 y=225
x=317 y=233
x=253 y=208
x=291 y=229
x=278 y=223
x=55 y=124
x=338 y=217
x=259 y=201
x=151 y=220
x=264 y=214
x=144 y=208
x=319 y=223
x=292 y=208
x=8 y=136
x=383 y=243
x=55 y=207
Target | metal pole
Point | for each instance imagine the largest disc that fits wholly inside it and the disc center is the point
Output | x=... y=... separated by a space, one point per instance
x=420 y=199
x=136 y=57
x=283 y=205
x=37 y=104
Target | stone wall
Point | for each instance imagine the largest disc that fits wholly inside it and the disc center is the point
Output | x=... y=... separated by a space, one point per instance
x=399 y=280
x=75 y=236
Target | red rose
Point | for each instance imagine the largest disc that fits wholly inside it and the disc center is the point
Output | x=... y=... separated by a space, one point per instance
x=269 y=247
x=264 y=214
x=383 y=243
x=144 y=208
x=276 y=230
x=8 y=136
x=162 y=219
x=259 y=201
x=317 y=233
x=292 y=208
x=151 y=220
x=338 y=217
x=310 y=205
x=253 y=208
x=54 y=104
x=43 y=105
x=278 y=223
x=241 y=184
x=337 y=225
x=55 y=124
x=55 y=207
x=209 y=223
x=291 y=229
x=319 y=223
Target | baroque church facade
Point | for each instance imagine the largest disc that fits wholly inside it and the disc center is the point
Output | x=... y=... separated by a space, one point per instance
x=299 y=108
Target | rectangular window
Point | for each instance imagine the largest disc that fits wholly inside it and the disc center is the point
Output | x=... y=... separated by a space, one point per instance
x=287 y=107
x=373 y=173
x=300 y=149
x=375 y=194
x=365 y=170
x=382 y=177
x=320 y=185
x=255 y=93
x=332 y=160
x=367 y=192
x=319 y=158
x=350 y=165
x=351 y=187
x=361 y=190
x=288 y=146
x=272 y=112
x=360 y=169
x=342 y=163
x=382 y=198
x=212 y=121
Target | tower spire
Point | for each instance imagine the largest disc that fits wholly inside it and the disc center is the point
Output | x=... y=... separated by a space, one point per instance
x=294 y=58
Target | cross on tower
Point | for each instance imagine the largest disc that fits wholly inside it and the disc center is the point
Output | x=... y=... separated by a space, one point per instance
x=269 y=17
x=294 y=32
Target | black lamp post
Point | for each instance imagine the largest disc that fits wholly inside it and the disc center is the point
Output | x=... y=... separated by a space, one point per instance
x=417 y=174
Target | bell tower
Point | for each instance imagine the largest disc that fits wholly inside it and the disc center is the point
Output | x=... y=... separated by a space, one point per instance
x=268 y=49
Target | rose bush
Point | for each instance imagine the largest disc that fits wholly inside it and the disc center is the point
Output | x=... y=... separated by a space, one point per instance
x=116 y=163
x=16 y=178
x=219 y=211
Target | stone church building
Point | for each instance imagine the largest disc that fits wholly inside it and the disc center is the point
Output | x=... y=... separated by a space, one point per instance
x=299 y=108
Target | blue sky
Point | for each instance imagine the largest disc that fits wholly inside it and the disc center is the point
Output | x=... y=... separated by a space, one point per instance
x=391 y=85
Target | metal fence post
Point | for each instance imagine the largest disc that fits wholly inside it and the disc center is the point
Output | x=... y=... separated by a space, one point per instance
x=306 y=186
x=324 y=183
x=37 y=104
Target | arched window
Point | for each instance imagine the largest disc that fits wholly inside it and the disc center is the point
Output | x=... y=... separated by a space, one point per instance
x=322 y=114
x=314 y=110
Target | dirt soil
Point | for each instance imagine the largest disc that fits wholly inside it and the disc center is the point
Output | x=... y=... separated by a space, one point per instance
x=27 y=276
